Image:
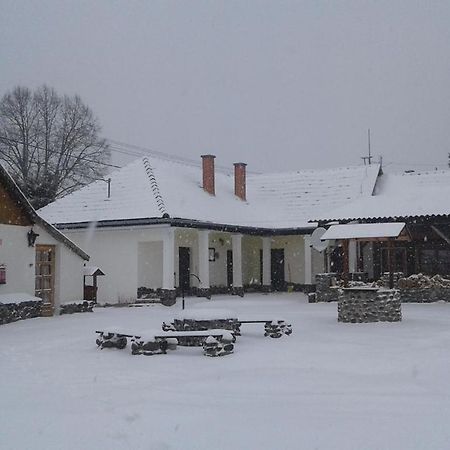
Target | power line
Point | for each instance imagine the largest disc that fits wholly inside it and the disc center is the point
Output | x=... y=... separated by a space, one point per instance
x=16 y=141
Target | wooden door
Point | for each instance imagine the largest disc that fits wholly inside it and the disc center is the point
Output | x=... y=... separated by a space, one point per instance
x=45 y=273
x=277 y=269
x=184 y=267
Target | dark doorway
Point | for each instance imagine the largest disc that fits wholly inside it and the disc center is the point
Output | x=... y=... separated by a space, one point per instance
x=277 y=269
x=229 y=268
x=184 y=267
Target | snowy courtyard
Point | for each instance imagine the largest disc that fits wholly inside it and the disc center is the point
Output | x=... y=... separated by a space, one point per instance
x=327 y=386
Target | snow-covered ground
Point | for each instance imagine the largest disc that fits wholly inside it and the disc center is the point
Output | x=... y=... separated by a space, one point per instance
x=327 y=386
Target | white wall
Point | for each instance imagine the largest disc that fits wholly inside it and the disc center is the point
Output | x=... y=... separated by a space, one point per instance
x=132 y=258
x=68 y=269
x=150 y=268
x=20 y=261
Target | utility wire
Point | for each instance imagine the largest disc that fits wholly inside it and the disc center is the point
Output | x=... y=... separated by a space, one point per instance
x=58 y=153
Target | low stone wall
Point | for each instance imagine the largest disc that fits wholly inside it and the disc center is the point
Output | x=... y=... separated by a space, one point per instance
x=71 y=308
x=12 y=312
x=425 y=295
x=369 y=305
x=384 y=279
x=325 y=290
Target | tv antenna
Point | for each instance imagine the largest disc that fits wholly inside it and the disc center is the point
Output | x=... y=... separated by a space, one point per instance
x=368 y=159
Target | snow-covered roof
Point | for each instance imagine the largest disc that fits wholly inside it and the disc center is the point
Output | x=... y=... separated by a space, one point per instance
x=364 y=231
x=89 y=271
x=399 y=196
x=153 y=187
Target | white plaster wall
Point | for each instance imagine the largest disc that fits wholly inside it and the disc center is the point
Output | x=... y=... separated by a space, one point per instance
x=19 y=260
x=294 y=253
x=318 y=263
x=115 y=251
x=221 y=242
x=68 y=269
x=150 y=268
x=132 y=258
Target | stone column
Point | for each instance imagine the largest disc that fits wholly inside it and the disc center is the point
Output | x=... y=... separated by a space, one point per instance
x=236 y=240
x=168 y=293
x=203 y=263
x=266 y=263
x=308 y=259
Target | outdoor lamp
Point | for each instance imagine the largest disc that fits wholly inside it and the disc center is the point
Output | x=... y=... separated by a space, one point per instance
x=32 y=236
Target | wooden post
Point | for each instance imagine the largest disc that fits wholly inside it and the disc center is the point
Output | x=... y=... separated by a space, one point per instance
x=95 y=288
x=345 y=263
x=391 y=263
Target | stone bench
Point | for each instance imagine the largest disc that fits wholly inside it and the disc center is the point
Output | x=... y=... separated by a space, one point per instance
x=272 y=328
x=214 y=342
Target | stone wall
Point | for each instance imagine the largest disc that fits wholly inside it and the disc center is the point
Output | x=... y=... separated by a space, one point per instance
x=384 y=279
x=71 y=308
x=424 y=295
x=12 y=312
x=325 y=290
x=369 y=305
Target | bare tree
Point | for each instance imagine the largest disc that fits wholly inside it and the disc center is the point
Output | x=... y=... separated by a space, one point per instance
x=49 y=143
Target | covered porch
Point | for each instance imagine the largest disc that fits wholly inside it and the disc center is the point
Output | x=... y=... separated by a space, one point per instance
x=204 y=262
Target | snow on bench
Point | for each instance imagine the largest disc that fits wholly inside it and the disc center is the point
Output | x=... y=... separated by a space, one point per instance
x=216 y=342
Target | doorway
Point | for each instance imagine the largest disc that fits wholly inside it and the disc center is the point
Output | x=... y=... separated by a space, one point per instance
x=184 y=268
x=45 y=273
x=277 y=269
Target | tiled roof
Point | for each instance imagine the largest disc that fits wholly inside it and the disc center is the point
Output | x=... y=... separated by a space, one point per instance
x=415 y=194
x=153 y=187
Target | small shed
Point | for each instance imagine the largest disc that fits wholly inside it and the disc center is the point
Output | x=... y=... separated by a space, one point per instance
x=376 y=232
x=90 y=290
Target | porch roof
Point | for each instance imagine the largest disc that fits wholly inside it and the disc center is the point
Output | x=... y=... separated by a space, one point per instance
x=364 y=231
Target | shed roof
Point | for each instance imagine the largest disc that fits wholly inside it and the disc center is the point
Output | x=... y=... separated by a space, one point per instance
x=364 y=231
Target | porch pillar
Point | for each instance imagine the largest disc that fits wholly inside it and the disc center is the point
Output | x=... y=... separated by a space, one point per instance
x=236 y=241
x=203 y=263
x=352 y=256
x=266 y=263
x=308 y=259
x=168 y=294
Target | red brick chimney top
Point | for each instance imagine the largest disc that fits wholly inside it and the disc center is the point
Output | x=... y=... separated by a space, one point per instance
x=240 y=180
x=208 y=174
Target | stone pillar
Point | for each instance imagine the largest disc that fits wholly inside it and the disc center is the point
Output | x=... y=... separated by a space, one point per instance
x=168 y=293
x=238 y=288
x=203 y=263
x=308 y=259
x=266 y=263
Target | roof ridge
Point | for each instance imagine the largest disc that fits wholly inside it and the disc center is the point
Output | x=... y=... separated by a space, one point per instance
x=327 y=169
x=155 y=187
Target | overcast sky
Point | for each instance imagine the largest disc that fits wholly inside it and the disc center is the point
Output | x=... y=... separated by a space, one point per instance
x=281 y=85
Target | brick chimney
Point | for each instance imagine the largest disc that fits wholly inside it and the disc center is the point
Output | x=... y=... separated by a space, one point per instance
x=208 y=174
x=239 y=180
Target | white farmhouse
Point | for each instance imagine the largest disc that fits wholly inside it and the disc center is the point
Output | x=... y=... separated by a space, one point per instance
x=160 y=225
x=35 y=258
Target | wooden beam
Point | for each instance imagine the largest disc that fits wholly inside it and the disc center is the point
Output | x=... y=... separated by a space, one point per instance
x=345 y=263
x=391 y=263
x=440 y=234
